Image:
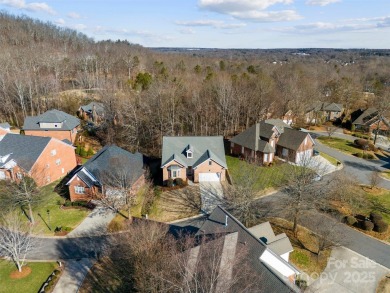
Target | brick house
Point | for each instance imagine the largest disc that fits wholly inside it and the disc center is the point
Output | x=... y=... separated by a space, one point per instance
x=52 y=123
x=268 y=138
x=4 y=128
x=198 y=158
x=45 y=159
x=110 y=168
x=320 y=112
x=369 y=120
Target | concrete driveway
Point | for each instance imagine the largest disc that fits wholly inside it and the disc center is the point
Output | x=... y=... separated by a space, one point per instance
x=348 y=271
x=321 y=165
x=211 y=194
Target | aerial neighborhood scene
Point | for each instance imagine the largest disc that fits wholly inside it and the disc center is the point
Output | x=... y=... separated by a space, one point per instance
x=212 y=146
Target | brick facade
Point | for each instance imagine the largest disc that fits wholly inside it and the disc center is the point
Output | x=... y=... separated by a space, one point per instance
x=59 y=134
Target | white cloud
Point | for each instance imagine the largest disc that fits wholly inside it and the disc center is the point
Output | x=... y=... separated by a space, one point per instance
x=321 y=2
x=254 y=10
x=33 y=6
x=211 y=23
x=187 y=31
x=73 y=15
x=60 y=21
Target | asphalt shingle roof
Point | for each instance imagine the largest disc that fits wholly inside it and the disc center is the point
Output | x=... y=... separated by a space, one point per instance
x=248 y=138
x=51 y=116
x=202 y=147
x=112 y=160
x=24 y=149
x=272 y=281
x=99 y=108
x=292 y=138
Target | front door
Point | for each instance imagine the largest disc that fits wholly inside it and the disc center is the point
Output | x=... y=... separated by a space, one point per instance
x=190 y=173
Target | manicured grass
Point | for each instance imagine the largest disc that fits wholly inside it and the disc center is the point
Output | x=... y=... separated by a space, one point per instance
x=58 y=217
x=267 y=177
x=380 y=201
x=343 y=145
x=331 y=160
x=40 y=271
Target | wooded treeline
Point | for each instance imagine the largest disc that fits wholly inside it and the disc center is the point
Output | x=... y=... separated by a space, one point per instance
x=152 y=93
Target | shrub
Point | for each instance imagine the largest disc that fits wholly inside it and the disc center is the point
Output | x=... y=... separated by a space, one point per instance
x=90 y=152
x=180 y=182
x=170 y=182
x=66 y=229
x=375 y=217
x=350 y=220
x=359 y=155
x=301 y=283
x=67 y=203
x=83 y=152
x=370 y=156
x=372 y=147
x=368 y=225
x=78 y=150
x=381 y=226
x=352 y=125
x=361 y=143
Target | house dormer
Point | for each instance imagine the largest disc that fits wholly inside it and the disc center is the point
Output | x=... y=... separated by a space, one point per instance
x=53 y=125
x=189 y=152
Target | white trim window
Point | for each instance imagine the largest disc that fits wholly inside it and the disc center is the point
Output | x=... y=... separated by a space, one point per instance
x=284 y=152
x=19 y=175
x=79 y=189
x=189 y=155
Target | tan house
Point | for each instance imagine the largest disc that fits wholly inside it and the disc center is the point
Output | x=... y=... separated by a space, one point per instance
x=197 y=158
x=45 y=159
x=53 y=123
x=323 y=111
x=271 y=137
x=108 y=170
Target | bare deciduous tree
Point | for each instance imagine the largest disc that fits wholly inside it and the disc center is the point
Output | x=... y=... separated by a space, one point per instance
x=15 y=239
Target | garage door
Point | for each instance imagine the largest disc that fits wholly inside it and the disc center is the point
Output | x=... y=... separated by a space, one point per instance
x=2 y=175
x=204 y=177
x=303 y=157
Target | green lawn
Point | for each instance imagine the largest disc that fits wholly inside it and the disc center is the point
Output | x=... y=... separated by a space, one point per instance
x=40 y=271
x=331 y=160
x=341 y=144
x=381 y=203
x=386 y=175
x=267 y=177
x=58 y=217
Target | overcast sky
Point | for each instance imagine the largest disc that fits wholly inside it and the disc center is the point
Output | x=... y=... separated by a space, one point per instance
x=221 y=23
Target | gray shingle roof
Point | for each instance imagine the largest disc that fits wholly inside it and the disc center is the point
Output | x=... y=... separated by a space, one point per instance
x=368 y=117
x=5 y=125
x=24 y=149
x=278 y=123
x=112 y=160
x=292 y=138
x=99 y=108
x=51 y=116
x=202 y=147
x=325 y=106
x=272 y=281
x=248 y=137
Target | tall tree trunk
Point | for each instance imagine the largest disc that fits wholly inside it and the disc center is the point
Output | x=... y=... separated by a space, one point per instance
x=31 y=214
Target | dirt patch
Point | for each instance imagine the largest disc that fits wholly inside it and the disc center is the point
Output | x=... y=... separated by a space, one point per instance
x=384 y=285
x=20 y=275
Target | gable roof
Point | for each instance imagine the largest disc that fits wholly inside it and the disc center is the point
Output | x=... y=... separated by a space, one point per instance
x=202 y=147
x=69 y=122
x=99 y=108
x=248 y=137
x=23 y=149
x=110 y=160
x=369 y=117
x=325 y=106
x=292 y=138
x=222 y=223
x=5 y=126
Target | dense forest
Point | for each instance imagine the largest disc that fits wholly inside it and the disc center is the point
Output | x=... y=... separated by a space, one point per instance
x=149 y=93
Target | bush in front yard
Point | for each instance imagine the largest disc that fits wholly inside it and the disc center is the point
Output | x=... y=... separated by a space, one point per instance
x=350 y=220
x=180 y=182
x=381 y=226
x=368 y=225
x=170 y=182
x=375 y=217
x=359 y=155
x=361 y=143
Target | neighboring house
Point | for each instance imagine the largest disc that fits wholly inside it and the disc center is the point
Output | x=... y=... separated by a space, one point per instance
x=289 y=117
x=110 y=168
x=198 y=158
x=276 y=274
x=369 y=120
x=53 y=123
x=268 y=138
x=45 y=159
x=280 y=244
x=93 y=111
x=322 y=111
x=4 y=128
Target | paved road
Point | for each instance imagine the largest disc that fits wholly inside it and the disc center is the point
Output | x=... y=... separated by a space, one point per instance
x=359 y=168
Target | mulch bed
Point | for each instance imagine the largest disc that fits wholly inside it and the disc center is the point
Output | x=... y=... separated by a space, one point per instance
x=20 y=275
